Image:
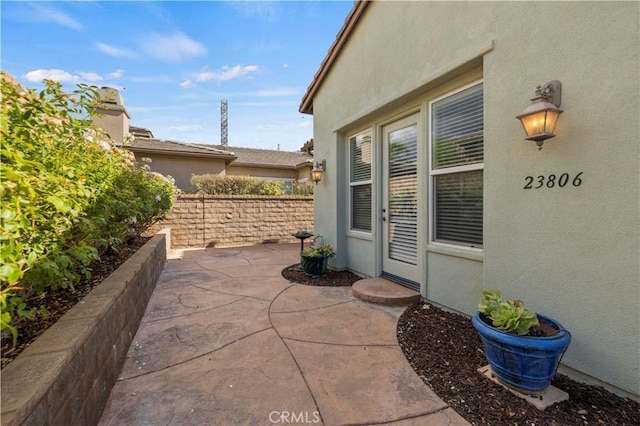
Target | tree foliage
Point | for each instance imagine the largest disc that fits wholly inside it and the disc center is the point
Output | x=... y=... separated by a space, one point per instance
x=67 y=193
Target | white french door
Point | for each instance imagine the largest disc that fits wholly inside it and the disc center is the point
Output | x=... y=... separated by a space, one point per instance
x=400 y=216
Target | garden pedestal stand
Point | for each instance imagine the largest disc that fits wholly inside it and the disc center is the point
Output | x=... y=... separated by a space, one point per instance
x=301 y=238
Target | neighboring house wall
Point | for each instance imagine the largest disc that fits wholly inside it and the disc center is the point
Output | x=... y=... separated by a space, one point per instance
x=261 y=172
x=220 y=221
x=303 y=173
x=181 y=168
x=572 y=253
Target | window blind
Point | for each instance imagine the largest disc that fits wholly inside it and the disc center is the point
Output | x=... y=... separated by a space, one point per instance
x=403 y=197
x=457 y=133
x=457 y=140
x=458 y=208
x=360 y=181
x=361 y=207
x=360 y=158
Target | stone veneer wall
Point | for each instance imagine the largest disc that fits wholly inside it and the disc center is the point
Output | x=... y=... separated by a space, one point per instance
x=233 y=220
x=65 y=376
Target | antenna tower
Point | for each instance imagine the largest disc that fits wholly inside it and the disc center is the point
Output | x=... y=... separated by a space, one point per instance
x=223 y=123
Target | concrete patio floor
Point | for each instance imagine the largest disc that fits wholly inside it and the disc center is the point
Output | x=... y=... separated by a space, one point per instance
x=227 y=340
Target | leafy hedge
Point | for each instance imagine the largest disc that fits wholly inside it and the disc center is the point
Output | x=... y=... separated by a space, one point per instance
x=67 y=194
x=244 y=185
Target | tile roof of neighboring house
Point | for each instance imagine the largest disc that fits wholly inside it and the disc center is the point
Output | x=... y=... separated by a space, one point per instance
x=306 y=106
x=160 y=146
x=141 y=132
x=144 y=142
x=254 y=157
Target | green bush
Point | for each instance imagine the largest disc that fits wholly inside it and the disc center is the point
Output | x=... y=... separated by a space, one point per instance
x=303 y=188
x=235 y=185
x=67 y=194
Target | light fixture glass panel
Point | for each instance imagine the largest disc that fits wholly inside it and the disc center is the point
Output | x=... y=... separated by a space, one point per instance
x=535 y=123
x=552 y=119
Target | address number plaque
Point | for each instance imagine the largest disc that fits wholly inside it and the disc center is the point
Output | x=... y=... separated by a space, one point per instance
x=552 y=181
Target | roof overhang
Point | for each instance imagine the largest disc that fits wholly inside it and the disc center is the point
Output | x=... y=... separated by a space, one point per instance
x=264 y=166
x=179 y=153
x=306 y=106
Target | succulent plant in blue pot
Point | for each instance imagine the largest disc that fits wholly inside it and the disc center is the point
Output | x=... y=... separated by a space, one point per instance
x=523 y=348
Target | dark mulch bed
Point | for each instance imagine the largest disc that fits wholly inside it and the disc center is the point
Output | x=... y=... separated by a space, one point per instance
x=60 y=301
x=445 y=350
x=331 y=278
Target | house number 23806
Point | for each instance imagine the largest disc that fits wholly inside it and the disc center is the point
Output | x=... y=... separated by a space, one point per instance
x=551 y=181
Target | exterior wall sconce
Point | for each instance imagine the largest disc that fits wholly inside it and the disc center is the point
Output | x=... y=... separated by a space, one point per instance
x=318 y=171
x=539 y=119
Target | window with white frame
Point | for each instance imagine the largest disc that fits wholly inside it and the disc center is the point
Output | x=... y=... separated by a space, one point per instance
x=457 y=163
x=360 y=182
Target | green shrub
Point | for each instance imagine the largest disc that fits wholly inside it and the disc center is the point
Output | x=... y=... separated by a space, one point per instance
x=235 y=185
x=67 y=193
x=303 y=188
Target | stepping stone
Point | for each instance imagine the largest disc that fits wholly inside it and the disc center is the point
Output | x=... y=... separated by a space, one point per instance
x=384 y=292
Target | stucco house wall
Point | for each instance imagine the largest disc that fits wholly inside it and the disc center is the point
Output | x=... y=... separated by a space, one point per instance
x=572 y=253
x=262 y=172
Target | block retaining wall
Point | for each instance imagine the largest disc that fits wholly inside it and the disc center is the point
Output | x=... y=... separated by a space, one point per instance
x=65 y=376
x=222 y=221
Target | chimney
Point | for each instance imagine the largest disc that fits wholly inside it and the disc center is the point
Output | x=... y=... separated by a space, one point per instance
x=115 y=118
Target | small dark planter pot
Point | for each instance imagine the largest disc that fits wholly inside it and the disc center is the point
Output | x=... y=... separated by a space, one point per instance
x=525 y=363
x=314 y=266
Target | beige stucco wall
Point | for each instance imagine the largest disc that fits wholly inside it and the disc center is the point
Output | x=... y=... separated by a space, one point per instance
x=303 y=173
x=572 y=253
x=182 y=167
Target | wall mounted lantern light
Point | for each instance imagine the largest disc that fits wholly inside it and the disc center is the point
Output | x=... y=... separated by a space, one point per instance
x=318 y=171
x=539 y=119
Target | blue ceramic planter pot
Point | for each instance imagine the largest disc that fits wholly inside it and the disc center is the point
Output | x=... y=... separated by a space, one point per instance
x=314 y=265
x=527 y=364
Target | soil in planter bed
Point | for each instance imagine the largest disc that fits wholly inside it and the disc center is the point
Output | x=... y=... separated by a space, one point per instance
x=294 y=273
x=60 y=301
x=446 y=352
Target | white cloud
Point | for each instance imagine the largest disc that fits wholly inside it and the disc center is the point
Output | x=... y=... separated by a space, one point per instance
x=227 y=73
x=172 y=48
x=62 y=76
x=90 y=76
x=285 y=65
x=116 y=52
x=116 y=74
x=285 y=91
x=49 y=14
x=36 y=76
x=186 y=128
x=267 y=11
x=187 y=84
x=268 y=126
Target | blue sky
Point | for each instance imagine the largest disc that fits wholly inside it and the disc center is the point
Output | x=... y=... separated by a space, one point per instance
x=175 y=61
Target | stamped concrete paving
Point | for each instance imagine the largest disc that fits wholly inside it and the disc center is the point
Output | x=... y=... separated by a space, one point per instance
x=227 y=340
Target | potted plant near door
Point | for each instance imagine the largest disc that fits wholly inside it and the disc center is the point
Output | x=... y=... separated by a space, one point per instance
x=523 y=348
x=315 y=258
